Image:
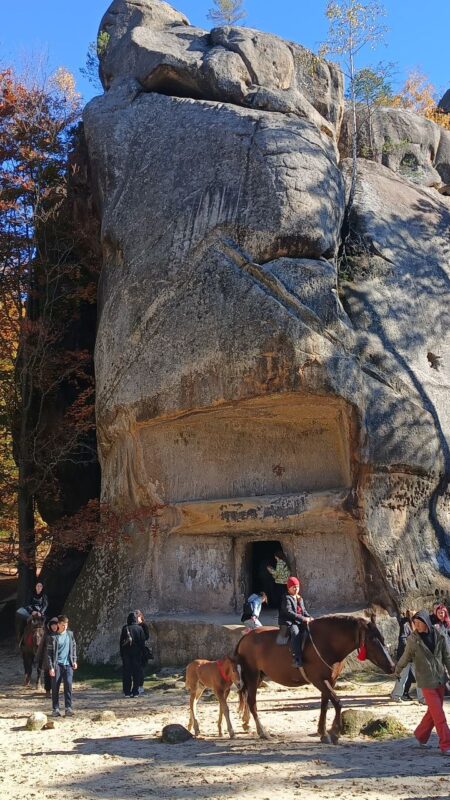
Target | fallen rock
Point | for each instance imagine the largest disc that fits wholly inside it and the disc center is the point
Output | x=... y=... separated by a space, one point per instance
x=175 y=734
x=384 y=727
x=36 y=721
x=353 y=720
x=104 y=716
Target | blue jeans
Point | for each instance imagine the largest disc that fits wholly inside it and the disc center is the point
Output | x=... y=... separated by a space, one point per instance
x=62 y=673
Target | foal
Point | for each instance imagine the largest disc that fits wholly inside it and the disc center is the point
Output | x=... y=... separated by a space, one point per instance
x=215 y=675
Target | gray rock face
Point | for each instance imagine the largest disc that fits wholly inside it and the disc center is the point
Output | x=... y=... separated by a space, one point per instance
x=175 y=734
x=444 y=102
x=240 y=406
x=403 y=141
x=36 y=721
x=154 y=44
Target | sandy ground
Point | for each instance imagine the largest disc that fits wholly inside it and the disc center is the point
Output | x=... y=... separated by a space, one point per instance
x=80 y=759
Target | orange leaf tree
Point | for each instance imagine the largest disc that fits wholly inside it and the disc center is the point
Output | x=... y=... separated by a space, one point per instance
x=47 y=279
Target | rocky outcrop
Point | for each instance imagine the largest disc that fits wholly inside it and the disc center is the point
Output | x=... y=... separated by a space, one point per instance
x=239 y=404
x=444 y=102
x=417 y=149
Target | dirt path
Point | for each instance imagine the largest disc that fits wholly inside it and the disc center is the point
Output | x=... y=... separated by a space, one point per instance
x=82 y=760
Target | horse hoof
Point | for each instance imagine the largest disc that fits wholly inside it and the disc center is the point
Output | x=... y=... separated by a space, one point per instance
x=232 y=735
x=325 y=739
x=334 y=738
x=263 y=734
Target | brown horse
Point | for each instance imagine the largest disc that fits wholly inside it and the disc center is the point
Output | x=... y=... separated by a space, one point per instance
x=29 y=647
x=330 y=640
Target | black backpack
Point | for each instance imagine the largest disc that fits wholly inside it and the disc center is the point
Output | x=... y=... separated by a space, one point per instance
x=247 y=611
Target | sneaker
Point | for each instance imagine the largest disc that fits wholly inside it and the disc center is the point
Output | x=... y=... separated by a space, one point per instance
x=135 y=694
x=405 y=698
x=445 y=752
x=56 y=712
x=141 y=690
x=424 y=745
x=128 y=695
x=69 y=712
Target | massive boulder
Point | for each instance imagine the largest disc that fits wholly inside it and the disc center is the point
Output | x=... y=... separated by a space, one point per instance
x=239 y=404
x=407 y=143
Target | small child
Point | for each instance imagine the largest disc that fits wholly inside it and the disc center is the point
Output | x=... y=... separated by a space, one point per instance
x=294 y=615
x=252 y=610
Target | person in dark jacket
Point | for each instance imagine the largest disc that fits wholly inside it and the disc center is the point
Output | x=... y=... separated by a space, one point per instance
x=403 y=684
x=132 y=644
x=36 y=607
x=147 y=652
x=62 y=661
x=427 y=649
x=294 y=615
x=51 y=629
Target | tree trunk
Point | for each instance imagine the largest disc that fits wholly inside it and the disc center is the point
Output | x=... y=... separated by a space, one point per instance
x=27 y=557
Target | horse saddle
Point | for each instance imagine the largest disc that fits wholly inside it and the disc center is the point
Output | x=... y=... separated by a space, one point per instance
x=283 y=635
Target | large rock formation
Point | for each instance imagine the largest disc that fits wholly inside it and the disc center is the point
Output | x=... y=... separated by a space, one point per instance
x=235 y=393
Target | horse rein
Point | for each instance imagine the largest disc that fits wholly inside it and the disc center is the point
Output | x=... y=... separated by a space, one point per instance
x=315 y=648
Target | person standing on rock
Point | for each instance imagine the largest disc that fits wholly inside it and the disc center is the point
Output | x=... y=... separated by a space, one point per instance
x=132 y=646
x=427 y=649
x=62 y=661
x=252 y=610
x=280 y=573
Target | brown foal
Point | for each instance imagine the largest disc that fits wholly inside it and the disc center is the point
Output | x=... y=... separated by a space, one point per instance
x=218 y=676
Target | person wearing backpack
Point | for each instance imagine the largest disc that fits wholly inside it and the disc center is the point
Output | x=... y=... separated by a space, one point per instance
x=132 y=645
x=252 y=610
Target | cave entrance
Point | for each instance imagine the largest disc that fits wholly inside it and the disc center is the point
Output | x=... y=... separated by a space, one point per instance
x=262 y=555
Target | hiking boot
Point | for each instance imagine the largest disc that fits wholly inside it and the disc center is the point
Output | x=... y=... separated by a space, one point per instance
x=56 y=712
x=405 y=698
x=69 y=712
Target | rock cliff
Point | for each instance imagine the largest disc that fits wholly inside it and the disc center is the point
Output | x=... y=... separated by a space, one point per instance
x=246 y=392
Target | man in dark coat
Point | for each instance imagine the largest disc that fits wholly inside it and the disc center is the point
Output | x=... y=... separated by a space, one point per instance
x=294 y=615
x=132 y=644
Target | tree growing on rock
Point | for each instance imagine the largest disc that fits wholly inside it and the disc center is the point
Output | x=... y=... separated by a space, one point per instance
x=372 y=88
x=353 y=25
x=227 y=12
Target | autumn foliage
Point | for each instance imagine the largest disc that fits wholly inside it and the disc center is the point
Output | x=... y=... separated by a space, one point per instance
x=48 y=282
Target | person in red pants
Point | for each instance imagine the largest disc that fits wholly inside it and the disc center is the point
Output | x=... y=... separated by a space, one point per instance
x=427 y=649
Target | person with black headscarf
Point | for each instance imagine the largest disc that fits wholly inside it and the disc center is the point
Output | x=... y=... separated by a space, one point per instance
x=427 y=649
x=132 y=644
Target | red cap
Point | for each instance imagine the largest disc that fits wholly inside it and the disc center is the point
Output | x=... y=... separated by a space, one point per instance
x=292 y=582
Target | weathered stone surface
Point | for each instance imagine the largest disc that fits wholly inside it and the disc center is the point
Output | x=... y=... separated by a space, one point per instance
x=403 y=141
x=353 y=719
x=239 y=403
x=151 y=42
x=403 y=319
x=175 y=734
x=36 y=721
x=444 y=102
x=104 y=716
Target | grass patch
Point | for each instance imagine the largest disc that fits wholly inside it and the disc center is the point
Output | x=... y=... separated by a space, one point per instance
x=108 y=677
x=385 y=728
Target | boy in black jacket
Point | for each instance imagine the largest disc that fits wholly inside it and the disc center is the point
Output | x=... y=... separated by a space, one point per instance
x=294 y=615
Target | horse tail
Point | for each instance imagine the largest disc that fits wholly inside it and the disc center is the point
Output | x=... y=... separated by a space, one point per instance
x=242 y=701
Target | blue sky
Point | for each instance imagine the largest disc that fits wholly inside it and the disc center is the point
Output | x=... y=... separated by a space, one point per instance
x=418 y=32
